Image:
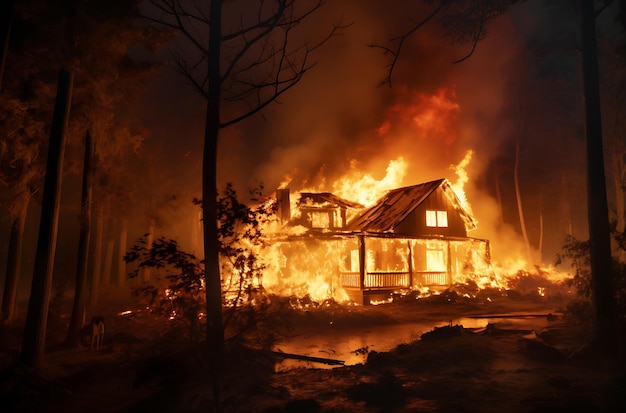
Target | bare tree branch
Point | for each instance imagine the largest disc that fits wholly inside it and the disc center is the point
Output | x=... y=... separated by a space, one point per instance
x=395 y=52
x=261 y=65
x=463 y=21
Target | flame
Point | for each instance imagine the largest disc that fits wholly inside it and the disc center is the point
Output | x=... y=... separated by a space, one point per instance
x=285 y=182
x=462 y=178
x=363 y=188
x=298 y=266
x=303 y=268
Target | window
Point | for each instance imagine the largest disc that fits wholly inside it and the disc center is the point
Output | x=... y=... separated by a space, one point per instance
x=442 y=218
x=436 y=218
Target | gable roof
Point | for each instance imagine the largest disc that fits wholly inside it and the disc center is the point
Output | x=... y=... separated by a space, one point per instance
x=324 y=199
x=390 y=210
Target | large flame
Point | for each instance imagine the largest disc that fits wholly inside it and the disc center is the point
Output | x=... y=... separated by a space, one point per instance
x=362 y=187
x=462 y=178
x=305 y=266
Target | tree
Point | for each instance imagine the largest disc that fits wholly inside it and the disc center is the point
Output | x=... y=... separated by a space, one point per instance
x=603 y=300
x=250 y=59
x=33 y=341
x=77 y=319
x=50 y=38
x=467 y=21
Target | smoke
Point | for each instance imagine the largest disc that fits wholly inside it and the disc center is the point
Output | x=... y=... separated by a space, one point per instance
x=435 y=112
x=339 y=119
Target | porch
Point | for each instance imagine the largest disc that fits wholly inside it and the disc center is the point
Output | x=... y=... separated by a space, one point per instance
x=374 y=267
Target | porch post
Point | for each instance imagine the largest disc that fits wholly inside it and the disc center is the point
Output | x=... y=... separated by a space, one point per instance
x=449 y=265
x=410 y=258
x=361 y=262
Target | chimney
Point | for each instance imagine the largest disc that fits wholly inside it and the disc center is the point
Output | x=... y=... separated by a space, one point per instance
x=284 y=206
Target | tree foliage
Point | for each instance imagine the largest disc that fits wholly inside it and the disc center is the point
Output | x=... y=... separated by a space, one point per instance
x=178 y=290
x=576 y=253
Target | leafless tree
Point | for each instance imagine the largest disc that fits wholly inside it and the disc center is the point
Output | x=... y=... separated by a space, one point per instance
x=246 y=53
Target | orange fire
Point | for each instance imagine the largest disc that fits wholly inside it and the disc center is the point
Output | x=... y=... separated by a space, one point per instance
x=462 y=179
x=309 y=267
x=363 y=188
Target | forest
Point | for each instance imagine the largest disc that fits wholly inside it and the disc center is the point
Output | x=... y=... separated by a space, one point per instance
x=143 y=146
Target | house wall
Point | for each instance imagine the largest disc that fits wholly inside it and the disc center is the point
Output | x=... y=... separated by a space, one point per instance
x=415 y=223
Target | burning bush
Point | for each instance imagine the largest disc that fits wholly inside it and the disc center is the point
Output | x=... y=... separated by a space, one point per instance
x=535 y=285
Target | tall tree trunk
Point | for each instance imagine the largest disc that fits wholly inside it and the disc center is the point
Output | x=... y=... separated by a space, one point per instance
x=121 y=264
x=518 y=197
x=77 y=320
x=96 y=272
x=14 y=264
x=617 y=159
x=34 y=336
x=604 y=320
x=6 y=16
x=213 y=282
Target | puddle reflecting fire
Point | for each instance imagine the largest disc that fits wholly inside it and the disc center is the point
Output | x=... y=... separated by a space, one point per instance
x=352 y=346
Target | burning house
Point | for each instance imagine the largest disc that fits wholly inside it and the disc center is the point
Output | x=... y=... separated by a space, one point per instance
x=412 y=238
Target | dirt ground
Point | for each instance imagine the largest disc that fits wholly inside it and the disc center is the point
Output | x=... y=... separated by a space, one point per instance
x=145 y=367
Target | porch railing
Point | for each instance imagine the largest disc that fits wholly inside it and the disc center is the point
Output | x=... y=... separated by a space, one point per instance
x=374 y=280
x=432 y=278
x=399 y=279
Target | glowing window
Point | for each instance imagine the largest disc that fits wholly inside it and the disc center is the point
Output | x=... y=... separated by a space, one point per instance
x=431 y=218
x=442 y=218
x=436 y=218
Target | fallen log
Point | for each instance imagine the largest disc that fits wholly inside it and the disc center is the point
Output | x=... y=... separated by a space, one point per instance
x=308 y=358
x=549 y=316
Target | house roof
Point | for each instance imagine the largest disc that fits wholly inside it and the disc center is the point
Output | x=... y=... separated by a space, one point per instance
x=324 y=199
x=390 y=210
